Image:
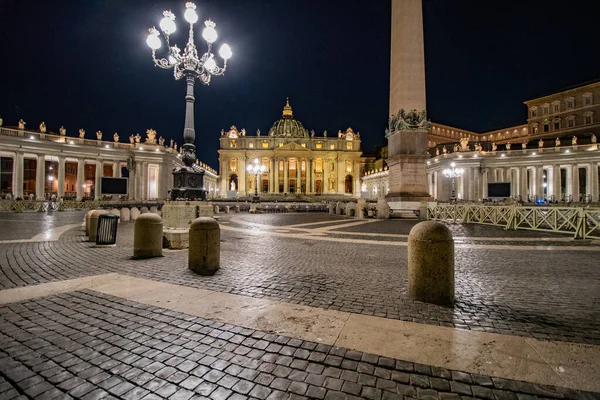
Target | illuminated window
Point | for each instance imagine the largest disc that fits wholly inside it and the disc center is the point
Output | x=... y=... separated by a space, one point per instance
x=303 y=166
x=233 y=165
x=348 y=166
x=233 y=143
x=280 y=144
x=292 y=164
x=280 y=165
x=534 y=127
x=251 y=145
x=303 y=144
x=319 y=145
x=348 y=145
x=332 y=146
x=265 y=145
x=265 y=163
x=319 y=165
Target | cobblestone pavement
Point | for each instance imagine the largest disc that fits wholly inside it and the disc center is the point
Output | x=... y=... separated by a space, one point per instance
x=89 y=345
x=26 y=225
x=542 y=294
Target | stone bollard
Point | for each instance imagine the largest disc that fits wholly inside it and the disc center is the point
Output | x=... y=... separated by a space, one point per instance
x=226 y=209
x=205 y=246
x=135 y=213
x=340 y=208
x=125 y=214
x=216 y=209
x=237 y=209
x=148 y=236
x=383 y=209
x=116 y=212
x=87 y=222
x=144 y=210
x=94 y=224
x=423 y=210
x=331 y=208
x=361 y=205
x=431 y=263
x=154 y=210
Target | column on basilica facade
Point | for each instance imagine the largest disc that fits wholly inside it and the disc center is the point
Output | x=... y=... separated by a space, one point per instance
x=61 y=176
x=163 y=178
x=539 y=180
x=18 y=175
x=40 y=177
x=98 y=180
x=356 y=174
x=80 y=177
x=575 y=182
x=223 y=171
x=271 y=175
x=310 y=179
x=286 y=183
x=242 y=180
x=341 y=174
x=131 y=183
x=116 y=169
x=276 y=172
x=523 y=184
x=326 y=166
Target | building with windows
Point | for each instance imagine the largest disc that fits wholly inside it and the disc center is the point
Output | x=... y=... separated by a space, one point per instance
x=295 y=160
x=553 y=157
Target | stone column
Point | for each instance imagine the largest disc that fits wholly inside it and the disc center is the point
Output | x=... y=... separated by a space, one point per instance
x=61 y=177
x=98 y=181
x=131 y=183
x=116 y=169
x=40 y=177
x=575 y=182
x=539 y=180
x=556 y=182
x=271 y=175
x=439 y=183
x=326 y=175
x=242 y=180
x=18 y=175
x=286 y=182
x=523 y=183
x=594 y=182
x=484 y=184
x=163 y=178
x=276 y=179
x=80 y=178
x=341 y=174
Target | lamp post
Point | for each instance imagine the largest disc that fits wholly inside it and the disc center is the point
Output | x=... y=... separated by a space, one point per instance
x=257 y=170
x=453 y=173
x=189 y=179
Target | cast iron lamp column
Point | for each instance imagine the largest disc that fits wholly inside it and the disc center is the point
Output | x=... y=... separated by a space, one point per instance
x=257 y=170
x=453 y=173
x=189 y=179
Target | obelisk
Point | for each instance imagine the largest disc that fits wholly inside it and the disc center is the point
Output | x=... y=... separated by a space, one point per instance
x=408 y=125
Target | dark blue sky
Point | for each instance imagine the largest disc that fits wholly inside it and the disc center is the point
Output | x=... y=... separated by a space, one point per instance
x=86 y=64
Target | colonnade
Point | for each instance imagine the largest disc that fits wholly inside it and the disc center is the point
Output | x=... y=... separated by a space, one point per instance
x=554 y=181
x=142 y=185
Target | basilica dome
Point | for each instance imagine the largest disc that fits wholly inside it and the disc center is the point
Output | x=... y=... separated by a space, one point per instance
x=287 y=126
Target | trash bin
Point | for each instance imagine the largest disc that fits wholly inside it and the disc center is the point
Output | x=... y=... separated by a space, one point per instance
x=107 y=230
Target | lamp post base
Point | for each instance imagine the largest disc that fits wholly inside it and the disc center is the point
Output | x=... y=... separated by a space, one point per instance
x=255 y=199
x=188 y=185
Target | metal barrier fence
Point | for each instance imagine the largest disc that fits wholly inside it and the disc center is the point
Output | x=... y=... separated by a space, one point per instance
x=45 y=206
x=581 y=222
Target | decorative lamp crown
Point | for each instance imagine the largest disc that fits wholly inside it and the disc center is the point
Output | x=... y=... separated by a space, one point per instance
x=209 y=24
x=190 y=5
x=287 y=109
x=168 y=14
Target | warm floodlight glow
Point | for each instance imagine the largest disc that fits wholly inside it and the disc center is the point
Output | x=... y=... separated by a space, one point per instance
x=209 y=33
x=50 y=178
x=225 y=52
x=190 y=13
x=153 y=40
x=167 y=24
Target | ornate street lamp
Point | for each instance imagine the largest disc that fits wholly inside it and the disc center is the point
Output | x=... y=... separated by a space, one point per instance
x=453 y=173
x=189 y=179
x=257 y=170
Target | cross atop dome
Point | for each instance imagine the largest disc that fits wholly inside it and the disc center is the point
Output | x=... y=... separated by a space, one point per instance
x=287 y=110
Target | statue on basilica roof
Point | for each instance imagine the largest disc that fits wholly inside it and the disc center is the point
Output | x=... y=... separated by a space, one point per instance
x=116 y=137
x=98 y=135
x=541 y=143
x=81 y=133
x=574 y=141
x=22 y=124
x=557 y=142
x=594 y=138
x=43 y=127
x=243 y=132
x=62 y=131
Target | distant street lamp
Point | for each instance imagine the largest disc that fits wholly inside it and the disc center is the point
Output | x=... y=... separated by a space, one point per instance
x=453 y=173
x=189 y=179
x=256 y=169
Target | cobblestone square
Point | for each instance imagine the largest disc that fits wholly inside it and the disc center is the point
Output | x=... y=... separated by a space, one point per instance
x=85 y=343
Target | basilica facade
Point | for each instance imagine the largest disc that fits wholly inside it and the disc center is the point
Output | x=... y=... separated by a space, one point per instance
x=294 y=160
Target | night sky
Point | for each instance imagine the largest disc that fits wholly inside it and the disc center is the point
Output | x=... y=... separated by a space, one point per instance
x=86 y=64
